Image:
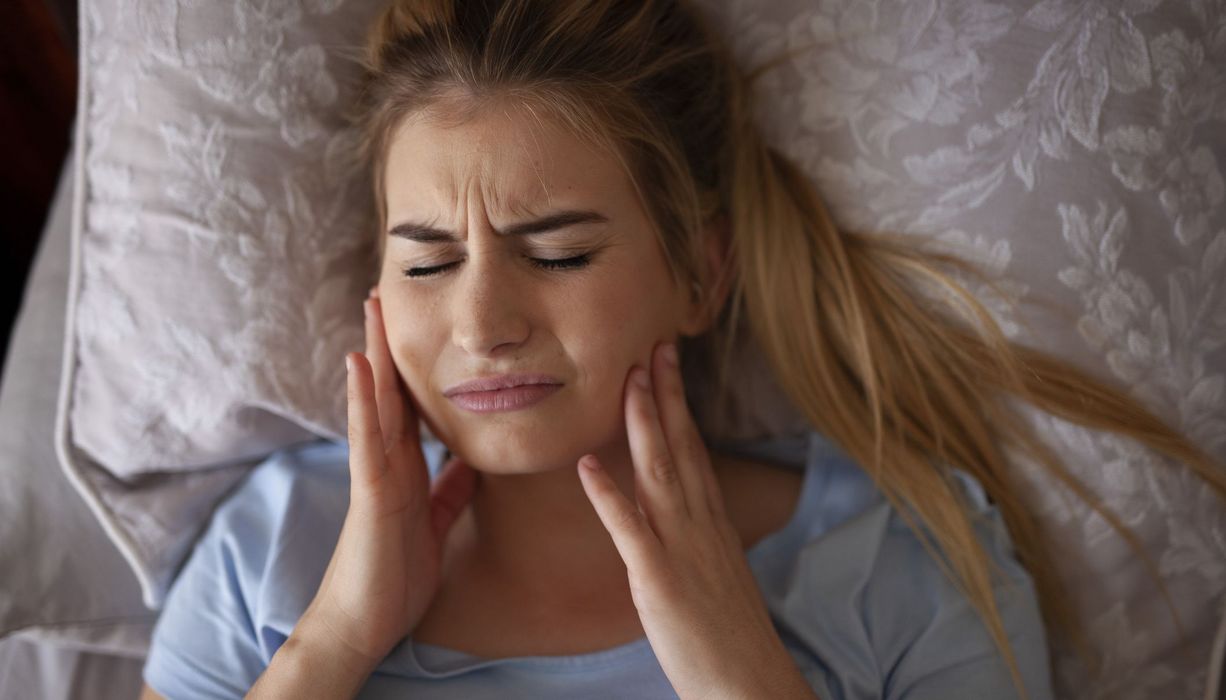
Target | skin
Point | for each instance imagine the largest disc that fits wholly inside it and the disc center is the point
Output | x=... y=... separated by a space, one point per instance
x=495 y=313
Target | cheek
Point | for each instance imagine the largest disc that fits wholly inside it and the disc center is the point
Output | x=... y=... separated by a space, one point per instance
x=616 y=325
x=409 y=338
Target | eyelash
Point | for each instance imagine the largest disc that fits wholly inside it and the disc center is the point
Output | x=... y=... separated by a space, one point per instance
x=575 y=262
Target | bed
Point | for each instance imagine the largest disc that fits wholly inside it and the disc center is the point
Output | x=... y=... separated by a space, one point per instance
x=1075 y=149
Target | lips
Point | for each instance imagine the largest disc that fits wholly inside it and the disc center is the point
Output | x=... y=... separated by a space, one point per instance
x=503 y=392
x=500 y=382
x=511 y=399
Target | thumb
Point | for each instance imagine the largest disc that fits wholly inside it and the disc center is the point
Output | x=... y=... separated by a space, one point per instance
x=449 y=494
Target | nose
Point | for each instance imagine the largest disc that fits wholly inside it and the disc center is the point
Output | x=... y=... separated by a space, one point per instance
x=490 y=310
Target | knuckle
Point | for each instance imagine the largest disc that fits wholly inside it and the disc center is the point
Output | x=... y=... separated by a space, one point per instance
x=393 y=439
x=627 y=519
x=663 y=469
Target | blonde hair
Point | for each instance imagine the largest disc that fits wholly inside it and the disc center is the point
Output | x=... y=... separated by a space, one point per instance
x=908 y=385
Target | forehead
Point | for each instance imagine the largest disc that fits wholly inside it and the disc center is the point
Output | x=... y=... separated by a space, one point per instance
x=521 y=160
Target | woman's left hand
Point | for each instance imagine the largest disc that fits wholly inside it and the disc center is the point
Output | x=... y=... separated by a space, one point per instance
x=697 y=598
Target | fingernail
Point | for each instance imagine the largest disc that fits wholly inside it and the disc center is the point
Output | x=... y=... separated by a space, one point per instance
x=670 y=354
x=374 y=292
x=366 y=308
x=642 y=378
x=348 y=363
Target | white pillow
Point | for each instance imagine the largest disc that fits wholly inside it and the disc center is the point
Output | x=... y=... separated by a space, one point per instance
x=220 y=240
x=221 y=250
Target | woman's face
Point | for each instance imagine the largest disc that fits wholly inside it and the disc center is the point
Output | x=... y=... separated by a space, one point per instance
x=471 y=298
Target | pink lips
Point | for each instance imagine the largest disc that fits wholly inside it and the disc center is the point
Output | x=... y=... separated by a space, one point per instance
x=507 y=392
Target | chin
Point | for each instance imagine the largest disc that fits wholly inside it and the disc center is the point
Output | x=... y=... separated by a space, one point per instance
x=504 y=451
x=512 y=449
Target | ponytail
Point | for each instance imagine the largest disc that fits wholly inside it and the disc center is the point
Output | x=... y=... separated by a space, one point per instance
x=911 y=390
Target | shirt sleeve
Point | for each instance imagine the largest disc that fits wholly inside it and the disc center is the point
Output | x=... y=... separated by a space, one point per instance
x=251 y=575
x=872 y=616
x=950 y=652
x=942 y=650
x=204 y=643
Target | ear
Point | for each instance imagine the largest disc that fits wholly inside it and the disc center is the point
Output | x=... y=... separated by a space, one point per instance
x=701 y=312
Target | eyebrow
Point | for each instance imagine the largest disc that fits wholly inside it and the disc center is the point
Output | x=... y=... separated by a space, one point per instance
x=427 y=234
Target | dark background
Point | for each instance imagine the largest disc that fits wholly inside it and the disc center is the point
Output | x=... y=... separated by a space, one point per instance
x=38 y=100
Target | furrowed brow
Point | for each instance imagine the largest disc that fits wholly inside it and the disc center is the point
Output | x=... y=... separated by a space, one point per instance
x=426 y=234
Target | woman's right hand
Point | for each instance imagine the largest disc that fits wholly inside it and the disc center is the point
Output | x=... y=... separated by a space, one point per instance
x=386 y=566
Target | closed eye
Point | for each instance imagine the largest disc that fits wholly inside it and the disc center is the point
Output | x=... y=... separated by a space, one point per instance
x=541 y=263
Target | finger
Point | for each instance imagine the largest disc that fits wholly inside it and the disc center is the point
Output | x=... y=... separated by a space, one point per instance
x=389 y=396
x=684 y=441
x=715 y=496
x=366 y=459
x=636 y=542
x=655 y=470
x=449 y=494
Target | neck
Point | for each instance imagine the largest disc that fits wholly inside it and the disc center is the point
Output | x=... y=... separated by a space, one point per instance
x=539 y=532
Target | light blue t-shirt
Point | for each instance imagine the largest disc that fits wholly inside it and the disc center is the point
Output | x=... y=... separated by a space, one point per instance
x=858 y=602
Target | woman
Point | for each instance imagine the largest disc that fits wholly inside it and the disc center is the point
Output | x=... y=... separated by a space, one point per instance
x=566 y=191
